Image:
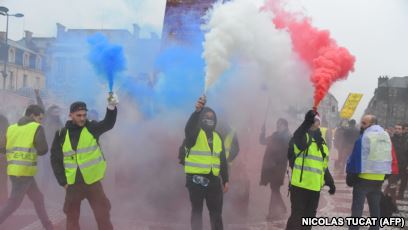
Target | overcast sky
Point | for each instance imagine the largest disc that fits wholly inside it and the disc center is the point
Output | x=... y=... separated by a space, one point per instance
x=375 y=31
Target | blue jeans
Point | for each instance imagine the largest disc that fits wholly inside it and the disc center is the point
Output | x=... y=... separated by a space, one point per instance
x=370 y=189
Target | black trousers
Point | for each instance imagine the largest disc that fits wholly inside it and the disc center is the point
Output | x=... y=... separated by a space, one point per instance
x=97 y=199
x=304 y=203
x=403 y=176
x=213 y=196
x=277 y=207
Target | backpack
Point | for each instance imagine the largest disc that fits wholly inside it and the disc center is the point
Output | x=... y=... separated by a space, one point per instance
x=387 y=207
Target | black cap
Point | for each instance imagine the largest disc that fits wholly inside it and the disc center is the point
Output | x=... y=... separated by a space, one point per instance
x=77 y=106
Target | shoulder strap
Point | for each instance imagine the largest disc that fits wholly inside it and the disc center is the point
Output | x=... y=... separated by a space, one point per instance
x=309 y=142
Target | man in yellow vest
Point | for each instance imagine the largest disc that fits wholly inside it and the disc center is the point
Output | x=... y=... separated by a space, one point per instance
x=205 y=166
x=308 y=157
x=79 y=164
x=367 y=166
x=25 y=141
x=231 y=143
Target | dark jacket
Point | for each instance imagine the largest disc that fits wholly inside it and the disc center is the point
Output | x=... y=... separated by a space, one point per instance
x=275 y=161
x=40 y=142
x=400 y=144
x=192 y=130
x=3 y=129
x=94 y=127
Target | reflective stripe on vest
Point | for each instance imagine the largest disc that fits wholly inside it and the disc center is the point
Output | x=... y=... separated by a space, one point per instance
x=200 y=159
x=372 y=176
x=228 y=143
x=314 y=166
x=88 y=158
x=20 y=151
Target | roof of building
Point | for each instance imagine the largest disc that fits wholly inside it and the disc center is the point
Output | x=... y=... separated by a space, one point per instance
x=20 y=46
x=396 y=82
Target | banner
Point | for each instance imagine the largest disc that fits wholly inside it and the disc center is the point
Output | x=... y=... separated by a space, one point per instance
x=350 y=105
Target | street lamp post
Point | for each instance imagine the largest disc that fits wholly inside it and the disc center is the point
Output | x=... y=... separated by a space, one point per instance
x=4 y=12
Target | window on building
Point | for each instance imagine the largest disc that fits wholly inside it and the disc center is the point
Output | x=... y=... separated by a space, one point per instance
x=12 y=55
x=393 y=92
x=60 y=66
x=11 y=81
x=25 y=79
x=37 y=82
x=38 y=63
x=26 y=59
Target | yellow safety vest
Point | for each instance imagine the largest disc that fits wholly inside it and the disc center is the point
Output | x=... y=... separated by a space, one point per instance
x=228 y=143
x=21 y=154
x=88 y=158
x=200 y=159
x=372 y=176
x=314 y=166
x=323 y=130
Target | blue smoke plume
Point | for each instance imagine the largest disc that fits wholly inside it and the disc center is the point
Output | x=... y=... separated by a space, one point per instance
x=178 y=79
x=107 y=59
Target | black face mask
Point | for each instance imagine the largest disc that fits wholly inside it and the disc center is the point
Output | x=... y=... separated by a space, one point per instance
x=208 y=124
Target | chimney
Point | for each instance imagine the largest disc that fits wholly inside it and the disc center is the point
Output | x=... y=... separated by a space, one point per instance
x=2 y=36
x=382 y=80
x=136 y=31
x=28 y=35
x=60 y=30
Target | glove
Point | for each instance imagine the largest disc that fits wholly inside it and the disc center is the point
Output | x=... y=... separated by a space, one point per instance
x=332 y=189
x=351 y=179
x=328 y=179
x=113 y=101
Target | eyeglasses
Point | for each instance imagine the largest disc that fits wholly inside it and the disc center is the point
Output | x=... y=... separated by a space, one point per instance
x=201 y=180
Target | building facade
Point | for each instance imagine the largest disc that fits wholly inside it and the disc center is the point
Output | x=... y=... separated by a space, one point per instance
x=24 y=65
x=69 y=72
x=389 y=102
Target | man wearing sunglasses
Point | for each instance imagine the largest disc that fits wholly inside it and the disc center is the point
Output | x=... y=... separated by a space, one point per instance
x=205 y=166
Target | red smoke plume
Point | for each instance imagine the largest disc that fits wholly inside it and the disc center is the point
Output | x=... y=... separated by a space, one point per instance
x=328 y=62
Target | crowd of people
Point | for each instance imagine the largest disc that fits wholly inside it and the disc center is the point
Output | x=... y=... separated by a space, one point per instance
x=367 y=156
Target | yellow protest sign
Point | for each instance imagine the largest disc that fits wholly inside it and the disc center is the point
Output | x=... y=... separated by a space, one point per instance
x=350 y=105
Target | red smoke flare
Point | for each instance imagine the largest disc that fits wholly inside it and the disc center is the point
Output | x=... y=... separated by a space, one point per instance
x=328 y=62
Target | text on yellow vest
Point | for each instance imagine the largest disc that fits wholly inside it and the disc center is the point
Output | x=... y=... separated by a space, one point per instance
x=21 y=154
